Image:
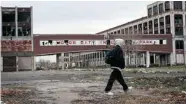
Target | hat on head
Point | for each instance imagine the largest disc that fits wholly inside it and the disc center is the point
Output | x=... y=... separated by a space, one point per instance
x=119 y=42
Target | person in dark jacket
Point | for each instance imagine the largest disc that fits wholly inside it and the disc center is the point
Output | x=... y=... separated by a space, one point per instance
x=117 y=64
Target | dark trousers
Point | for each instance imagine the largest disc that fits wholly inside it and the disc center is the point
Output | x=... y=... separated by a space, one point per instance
x=116 y=75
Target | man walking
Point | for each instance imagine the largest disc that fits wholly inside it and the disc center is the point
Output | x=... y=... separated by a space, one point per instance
x=116 y=60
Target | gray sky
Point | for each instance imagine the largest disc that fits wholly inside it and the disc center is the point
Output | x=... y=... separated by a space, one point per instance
x=81 y=16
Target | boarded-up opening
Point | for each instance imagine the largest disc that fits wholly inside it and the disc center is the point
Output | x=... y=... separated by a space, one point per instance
x=9 y=63
x=25 y=63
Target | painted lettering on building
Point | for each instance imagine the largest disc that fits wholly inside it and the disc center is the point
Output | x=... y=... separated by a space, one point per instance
x=74 y=42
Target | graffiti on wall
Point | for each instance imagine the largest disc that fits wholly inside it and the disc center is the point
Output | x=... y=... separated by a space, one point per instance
x=16 y=45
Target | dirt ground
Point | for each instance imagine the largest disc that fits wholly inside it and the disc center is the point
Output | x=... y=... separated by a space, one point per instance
x=87 y=87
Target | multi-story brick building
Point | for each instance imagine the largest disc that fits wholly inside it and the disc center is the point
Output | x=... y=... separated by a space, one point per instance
x=16 y=38
x=163 y=17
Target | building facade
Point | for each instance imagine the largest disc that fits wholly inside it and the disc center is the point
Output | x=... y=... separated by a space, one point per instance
x=163 y=17
x=16 y=38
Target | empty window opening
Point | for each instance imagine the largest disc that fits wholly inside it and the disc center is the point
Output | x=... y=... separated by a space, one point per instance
x=168 y=31
x=24 y=16
x=167 y=21
x=161 y=8
x=161 y=41
x=135 y=29
x=178 y=19
x=8 y=15
x=179 y=44
x=122 y=31
x=140 y=29
x=24 y=31
x=130 y=30
x=150 y=12
x=150 y=27
x=179 y=31
x=177 y=5
x=145 y=28
x=155 y=10
x=167 y=6
x=155 y=26
x=161 y=20
x=8 y=31
x=126 y=31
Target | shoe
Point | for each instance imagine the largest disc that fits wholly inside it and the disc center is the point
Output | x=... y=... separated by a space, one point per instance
x=125 y=90
x=109 y=93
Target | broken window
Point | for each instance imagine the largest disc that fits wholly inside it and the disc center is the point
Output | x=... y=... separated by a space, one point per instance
x=145 y=28
x=150 y=12
x=126 y=31
x=9 y=31
x=178 y=19
x=140 y=29
x=167 y=6
x=8 y=22
x=135 y=29
x=8 y=15
x=167 y=21
x=155 y=26
x=122 y=31
x=178 y=30
x=161 y=8
x=118 y=31
x=168 y=31
x=178 y=24
x=179 y=44
x=177 y=5
x=155 y=10
x=130 y=30
x=161 y=20
x=128 y=42
x=24 y=31
x=24 y=22
x=161 y=41
x=150 y=27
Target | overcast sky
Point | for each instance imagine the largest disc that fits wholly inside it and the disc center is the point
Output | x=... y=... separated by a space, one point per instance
x=81 y=16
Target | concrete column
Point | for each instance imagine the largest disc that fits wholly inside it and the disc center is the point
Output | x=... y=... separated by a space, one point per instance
x=62 y=61
x=1 y=63
x=154 y=58
x=142 y=28
x=164 y=22
x=57 y=61
x=147 y=27
x=184 y=33
x=33 y=63
x=16 y=22
x=147 y=59
x=158 y=24
x=185 y=50
x=183 y=6
x=17 y=63
x=173 y=54
x=144 y=62
x=152 y=26
x=171 y=5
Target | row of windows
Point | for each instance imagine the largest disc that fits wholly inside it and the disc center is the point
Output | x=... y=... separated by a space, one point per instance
x=164 y=7
x=147 y=27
